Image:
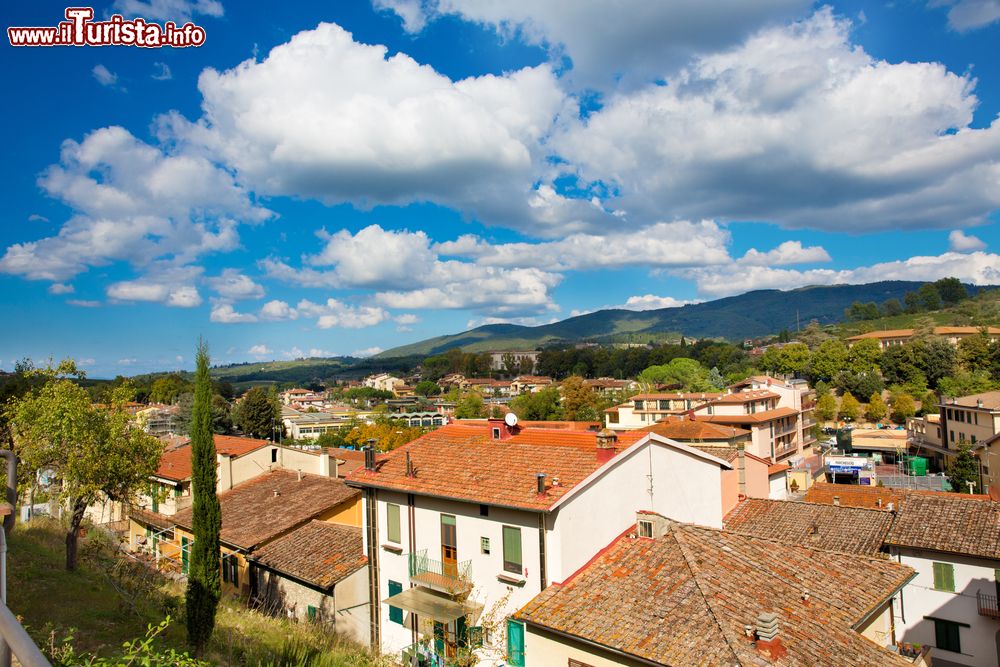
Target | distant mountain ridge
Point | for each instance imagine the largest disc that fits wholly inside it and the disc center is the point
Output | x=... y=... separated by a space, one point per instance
x=749 y=315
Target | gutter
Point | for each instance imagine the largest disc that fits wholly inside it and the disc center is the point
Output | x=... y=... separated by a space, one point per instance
x=588 y=642
x=891 y=595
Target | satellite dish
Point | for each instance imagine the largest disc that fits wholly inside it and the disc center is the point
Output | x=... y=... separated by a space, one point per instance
x=510 y=419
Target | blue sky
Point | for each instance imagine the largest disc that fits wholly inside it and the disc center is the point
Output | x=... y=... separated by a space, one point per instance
x=338 y=178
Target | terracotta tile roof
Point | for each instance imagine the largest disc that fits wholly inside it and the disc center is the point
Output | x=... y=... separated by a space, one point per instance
x=150 y=518
x=745 y=396
x=528 y=423
x=253 y=514
x=175 y=463
x=695 y=429
x=854 y=496
x=776 y=468
x=944 y=522
x=940 y=331
x=845 y=529
x=868 y=496
x=464 y=462
x=753 y=418
x=690 y=592
x=320 y=553
x=990 y=399
x=676 y=396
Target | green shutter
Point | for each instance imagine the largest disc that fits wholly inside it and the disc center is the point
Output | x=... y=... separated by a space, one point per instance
x=515 y=643
x=512 y=549
x=311 y=613
x=225 y=569
x=946 y=636
x=184 y=555
x=476 y=636
x=395 y=613
x=944 y=577
x=392 y=523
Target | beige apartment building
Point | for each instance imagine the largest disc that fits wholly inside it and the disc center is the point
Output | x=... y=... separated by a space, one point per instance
x=892 y=337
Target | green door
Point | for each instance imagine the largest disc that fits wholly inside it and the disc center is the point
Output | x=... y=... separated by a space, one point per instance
x=515 y=643
x=184 y=555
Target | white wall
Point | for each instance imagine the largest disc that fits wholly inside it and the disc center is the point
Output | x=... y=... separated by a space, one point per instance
x=499 y=599
x=685 y=487
x=919 y=599
x=545 y=649
x=778 y=484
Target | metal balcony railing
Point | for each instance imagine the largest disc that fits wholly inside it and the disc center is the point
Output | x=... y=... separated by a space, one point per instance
x=443 y=576
x=987 y=605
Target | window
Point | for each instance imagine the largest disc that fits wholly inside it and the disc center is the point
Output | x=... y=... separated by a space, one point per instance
x=392 y=522
x=637 y=405
x=484 y=545
x=944 y=577
x=395 y=613
x=178 y=491
x=311 y=613
x=231 y=570
x=515 y=643
x=645 y=528
x=973 y=439
x=496 y=434
x=484 y=510
x=946 y=636
x=274 y=455
x=951 y=436
x=512 y=549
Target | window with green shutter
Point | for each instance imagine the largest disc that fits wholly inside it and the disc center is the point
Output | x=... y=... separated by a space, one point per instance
x=512 y=549
x=946 y=636
x=311 y=613
x=515 y=643
x=395 y=613
x=392 y=523
x=944 y=577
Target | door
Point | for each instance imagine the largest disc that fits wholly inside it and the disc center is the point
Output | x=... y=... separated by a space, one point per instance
x=449 y=546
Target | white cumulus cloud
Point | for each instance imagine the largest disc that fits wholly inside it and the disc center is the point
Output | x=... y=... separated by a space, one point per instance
x=959 y=241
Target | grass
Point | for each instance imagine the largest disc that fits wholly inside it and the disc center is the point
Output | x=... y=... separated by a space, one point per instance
x=53 y=604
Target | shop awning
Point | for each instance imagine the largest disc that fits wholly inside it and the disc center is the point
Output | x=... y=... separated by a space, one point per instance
x=425 y=602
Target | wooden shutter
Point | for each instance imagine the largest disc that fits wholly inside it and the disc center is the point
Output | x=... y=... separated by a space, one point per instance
x=512 y=549
x=392 y=523
x=944 y=577
x=395 y=613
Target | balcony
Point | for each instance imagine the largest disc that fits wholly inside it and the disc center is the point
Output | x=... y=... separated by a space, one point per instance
x=987 y=605
x=451 y=578
x=785 y=430
x=784 y=450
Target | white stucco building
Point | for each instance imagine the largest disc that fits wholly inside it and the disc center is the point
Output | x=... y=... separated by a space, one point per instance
x=465 y=525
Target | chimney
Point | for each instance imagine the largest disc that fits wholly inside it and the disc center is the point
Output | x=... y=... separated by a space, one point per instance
x=324 y=464
x=276 y=493
x=606 y=442
x=540 y=482
x=369 y=457
x=225 y=472
x=768 y=641
x=409 y=466
x=836 y=501
x=741 y=467
x=299 y=471
x=878 y=503
x=979 y=402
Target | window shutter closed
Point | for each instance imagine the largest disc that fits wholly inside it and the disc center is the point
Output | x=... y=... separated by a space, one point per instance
x=944 y=577
x=515 y=643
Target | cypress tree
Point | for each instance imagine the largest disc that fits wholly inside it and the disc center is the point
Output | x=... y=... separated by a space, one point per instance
x=204 y=588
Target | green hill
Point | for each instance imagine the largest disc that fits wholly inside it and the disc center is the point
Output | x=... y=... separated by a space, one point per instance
x=750 y=315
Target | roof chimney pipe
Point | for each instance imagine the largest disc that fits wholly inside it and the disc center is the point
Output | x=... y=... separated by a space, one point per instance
x=606 y=442
x=540 y=481
x=369 y=458
x=409 y=465
x=836 y=501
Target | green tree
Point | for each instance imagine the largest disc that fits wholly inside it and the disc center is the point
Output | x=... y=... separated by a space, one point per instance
x=813 y=335
x=903 y=408
x=715 y=378
x=974 y=352
x=826 y=407
x=686 y=372
x=892 y=307
x=426 y=388
x=864 y=356
x=222 y=418
x=790 y=359
x=850 y=408
x=542 y=405
x=912 y=301
x=935 y=358
x=470 y=406
x=877 y=409
x=829 y=359
x=951 y=291
x=964 y=383
x=96 y=452
x=899 y=366
x=258 y=413
x=964 y=469
x=578 y=401
x=203 y=588
x=929 y=297
x=388 y=434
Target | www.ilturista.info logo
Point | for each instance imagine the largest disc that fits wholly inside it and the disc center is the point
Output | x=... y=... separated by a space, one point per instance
x=79 y=29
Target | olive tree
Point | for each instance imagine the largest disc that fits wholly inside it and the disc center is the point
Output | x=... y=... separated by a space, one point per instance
x=95 y=451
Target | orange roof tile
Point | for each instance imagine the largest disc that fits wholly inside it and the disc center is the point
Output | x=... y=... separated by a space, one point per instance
x=690 y=593
x=691 y=429
x=463 y=462
x=318 y=552
x=753 y=418
x=175 y=463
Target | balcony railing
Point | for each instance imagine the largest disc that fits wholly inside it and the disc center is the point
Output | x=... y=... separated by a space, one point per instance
x=790 y=448
x=785 y=430
x=988 y=605
x=452 y=578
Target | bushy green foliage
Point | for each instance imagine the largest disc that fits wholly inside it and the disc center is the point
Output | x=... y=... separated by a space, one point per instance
x=964 y=469
x=876 y=409
x=541 y=405
x=826 y=407
x=850 y=408
x=903 y=408
x=258 y=413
